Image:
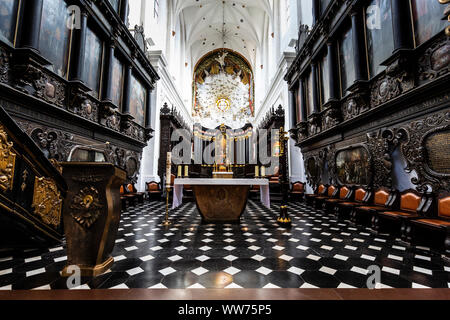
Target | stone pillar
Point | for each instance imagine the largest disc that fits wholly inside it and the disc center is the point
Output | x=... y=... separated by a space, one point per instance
x=401 y=25
x=359 y=49
x=30 y=24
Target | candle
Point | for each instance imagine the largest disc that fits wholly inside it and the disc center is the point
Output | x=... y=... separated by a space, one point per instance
x=186 y=171
x=256 y=171
x=168 y=168
x=179 y=172
x=263 y=171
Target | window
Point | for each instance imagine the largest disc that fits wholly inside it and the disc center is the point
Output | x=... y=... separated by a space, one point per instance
x=380 y=41
x=428 y=20
x=346 y=62
x=117 y=81
x=93 y=57
x=325 y=80
x=156 y=9
x=306 y=13
x=137 y=100
x=54 y=36
x=8 y=18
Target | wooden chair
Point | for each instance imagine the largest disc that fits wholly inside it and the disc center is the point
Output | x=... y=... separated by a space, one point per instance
x=332 y=192
x=383 y=200
x=123 y=199
x=439 y=221
x=127 y=199
x=411 y=206
x=297 y=192
x=133 y=191
x=361 y=198
x=320 y=191
x=345 y=195
x=154 y=190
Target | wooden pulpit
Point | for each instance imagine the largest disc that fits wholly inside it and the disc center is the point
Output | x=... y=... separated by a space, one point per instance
x=91 y=215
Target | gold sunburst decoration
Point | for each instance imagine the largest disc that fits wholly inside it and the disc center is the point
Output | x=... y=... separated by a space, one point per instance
x=223 y=104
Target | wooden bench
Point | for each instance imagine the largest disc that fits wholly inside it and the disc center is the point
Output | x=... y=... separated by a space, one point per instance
x=297 y=191
x=345 y=194
x=361 y=198
x=411 y=205
x=320 y=191
x=383 y=200
x=332 y=192
x=439 y=220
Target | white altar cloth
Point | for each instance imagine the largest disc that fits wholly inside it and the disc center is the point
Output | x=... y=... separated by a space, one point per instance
x=179 y=183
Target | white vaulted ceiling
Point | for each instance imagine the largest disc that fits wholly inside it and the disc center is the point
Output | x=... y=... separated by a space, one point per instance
x=246 y=23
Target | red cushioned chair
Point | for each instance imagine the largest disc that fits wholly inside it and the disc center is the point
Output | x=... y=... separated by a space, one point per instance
x=361 y=198
x=154 y=190
x=383 y=200
x=345 y=194
x=133 y=191
x=332 y=192
x=297 y=192
x=320 y=191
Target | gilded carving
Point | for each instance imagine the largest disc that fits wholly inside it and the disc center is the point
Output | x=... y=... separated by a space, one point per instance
x=7 y=161
x=47 y=201
x=86 y=207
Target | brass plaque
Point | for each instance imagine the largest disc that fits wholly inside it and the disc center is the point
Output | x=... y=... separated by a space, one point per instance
x=47 y=201
x=438 y=152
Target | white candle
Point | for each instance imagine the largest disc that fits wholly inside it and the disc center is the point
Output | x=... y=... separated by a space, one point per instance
x=256 y=171
x=186 y=171
x=263 y=171
x=179 y=172
x=168 y=168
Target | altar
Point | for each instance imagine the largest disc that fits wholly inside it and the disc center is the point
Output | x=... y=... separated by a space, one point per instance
x=221 y=200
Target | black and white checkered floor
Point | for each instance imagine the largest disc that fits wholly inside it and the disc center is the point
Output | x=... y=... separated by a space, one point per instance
x=318 y=251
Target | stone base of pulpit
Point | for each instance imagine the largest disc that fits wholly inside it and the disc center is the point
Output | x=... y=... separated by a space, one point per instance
x=91 y=215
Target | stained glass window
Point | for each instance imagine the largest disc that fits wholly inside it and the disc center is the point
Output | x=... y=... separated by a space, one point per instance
x=54 y=35
x=325 y=80
x=380 y=41
x=427 y=17
x=346 y=61
x=93 y=62
x=8 y=18
x=117 y=81
x=137 y=100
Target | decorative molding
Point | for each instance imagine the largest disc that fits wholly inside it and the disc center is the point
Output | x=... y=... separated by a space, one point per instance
x=47 y=201
x=435 y=62
x=4 y=65
x=7 y=161
x=55 y=144
x=86 y=207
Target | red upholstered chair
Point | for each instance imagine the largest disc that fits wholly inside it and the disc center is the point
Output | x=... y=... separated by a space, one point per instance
x=297 y=191
x=361 y=197
x=320 y=191
x=411 y=204
x=345 y=194
x=383 y=200
x=332 y=192
x=154 y=190
x=439 y=221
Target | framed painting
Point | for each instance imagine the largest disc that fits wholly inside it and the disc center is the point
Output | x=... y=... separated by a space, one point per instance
x=353 y=166
x=117 y=81
x=92 y=67
x=8 y=18
x=428 y=19
x=138 y=101
x=55 y=36
x=346 y=61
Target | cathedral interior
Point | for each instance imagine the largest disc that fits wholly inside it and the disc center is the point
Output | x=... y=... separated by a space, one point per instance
x=189 y=145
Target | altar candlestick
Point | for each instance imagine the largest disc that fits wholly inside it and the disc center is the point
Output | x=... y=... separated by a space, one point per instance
x=168 y=168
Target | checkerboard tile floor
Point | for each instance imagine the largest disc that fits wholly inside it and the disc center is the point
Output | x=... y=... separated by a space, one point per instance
x=318 y=251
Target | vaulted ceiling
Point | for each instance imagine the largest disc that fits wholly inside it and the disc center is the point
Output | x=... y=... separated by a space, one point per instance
x=240 y=25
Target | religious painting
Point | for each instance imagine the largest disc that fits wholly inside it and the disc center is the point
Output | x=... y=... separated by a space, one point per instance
x=380 y=41
x=437 y=147
x=428 y=19
x=309 y=93
x=325 y=80
x=92 y=67
x=346 y=61
x=137 y=101
x=313 y=170
x=353 y=166
x=54 y=36
x=299 y=102
x=117 y=81
x=8 y=17
x=223 y=90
